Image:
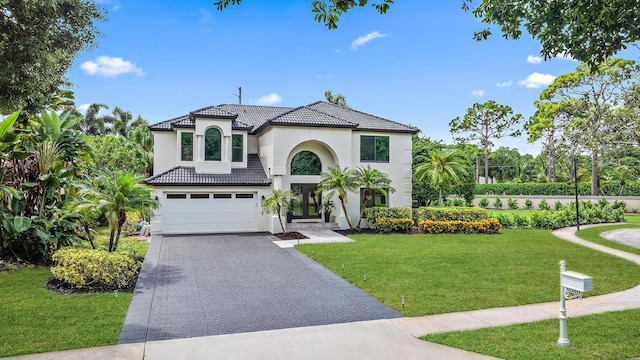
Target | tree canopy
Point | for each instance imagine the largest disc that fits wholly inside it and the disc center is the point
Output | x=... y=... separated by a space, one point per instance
x=39 y=40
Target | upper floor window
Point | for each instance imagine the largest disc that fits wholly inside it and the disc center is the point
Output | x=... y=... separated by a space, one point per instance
x=186 y=146
x=212 y=145
x=374 y=148
x=306 y=163
x=237 y=144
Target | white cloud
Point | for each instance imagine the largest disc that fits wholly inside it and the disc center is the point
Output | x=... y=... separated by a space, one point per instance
x=477 y=93
x=534 y=59
x=504 y=84
x=536 y=80
x=270 y=99
x=565 y=55
x=116 y=4
x=83 y=108
x=365 y=39
x=108 y=66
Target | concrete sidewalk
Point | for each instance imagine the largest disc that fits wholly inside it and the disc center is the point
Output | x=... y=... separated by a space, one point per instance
x=379 y=339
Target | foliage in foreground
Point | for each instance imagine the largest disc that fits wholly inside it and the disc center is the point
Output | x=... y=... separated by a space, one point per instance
x=612 y=335
x=36 y=320
x=484 y=226
x=447 y=273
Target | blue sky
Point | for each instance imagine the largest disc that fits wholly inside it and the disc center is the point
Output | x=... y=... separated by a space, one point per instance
x=418 y=64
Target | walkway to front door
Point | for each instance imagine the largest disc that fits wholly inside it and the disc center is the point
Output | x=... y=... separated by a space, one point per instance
x=205 y=285
x=309 y=200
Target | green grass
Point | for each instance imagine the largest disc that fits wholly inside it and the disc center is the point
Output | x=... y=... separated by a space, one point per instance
x=613 y=335
x=449 y=273
x=35 y=320
x=593 y=235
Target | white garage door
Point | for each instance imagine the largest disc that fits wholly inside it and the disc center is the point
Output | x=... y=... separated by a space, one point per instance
x=190 y=213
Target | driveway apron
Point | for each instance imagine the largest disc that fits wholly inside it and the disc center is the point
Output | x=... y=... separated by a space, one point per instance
x=205 y=285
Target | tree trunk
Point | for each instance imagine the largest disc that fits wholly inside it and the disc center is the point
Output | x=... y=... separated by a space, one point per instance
x=89 y=236
x=111 y=237
x=486 y=167
x=344 y=209
x=594 y=173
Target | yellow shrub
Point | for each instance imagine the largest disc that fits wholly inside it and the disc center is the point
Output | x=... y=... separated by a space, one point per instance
x=485 y=226
x=85 y=267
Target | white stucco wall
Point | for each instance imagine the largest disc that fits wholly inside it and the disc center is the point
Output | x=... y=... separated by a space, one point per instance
x=164 y=151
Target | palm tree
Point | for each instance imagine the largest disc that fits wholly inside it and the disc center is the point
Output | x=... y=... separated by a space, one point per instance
x=341 y=181
x=119 y=193
x=372 y=180
x=120 y=121
x=275 y=202
x=337 y=99
x=91 y=123
x=447 y=167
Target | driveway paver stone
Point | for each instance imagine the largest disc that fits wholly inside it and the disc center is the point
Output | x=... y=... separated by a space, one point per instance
x=193 y=286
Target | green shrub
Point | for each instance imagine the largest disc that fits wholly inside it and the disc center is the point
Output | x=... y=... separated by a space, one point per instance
x=544 y=205
x=94 y=268
x=610 y=188
x=558 y=205
x=484 y=226
x=507 y=220
x=484 y=202
x=619 y=204
x=387 y=225
x=451 y=213
x=497 y=203
x=512 y=204
x=528 y=204
x=373 y=213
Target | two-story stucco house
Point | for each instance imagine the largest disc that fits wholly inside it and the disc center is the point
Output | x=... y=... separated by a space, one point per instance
x=214 y=166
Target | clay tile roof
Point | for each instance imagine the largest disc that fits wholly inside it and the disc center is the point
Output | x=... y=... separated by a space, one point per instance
x=252 y=175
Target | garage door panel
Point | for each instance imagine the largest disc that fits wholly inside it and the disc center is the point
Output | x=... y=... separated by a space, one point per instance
x=209 y=215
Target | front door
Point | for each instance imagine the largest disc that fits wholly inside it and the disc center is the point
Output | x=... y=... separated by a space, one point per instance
x=307 y=204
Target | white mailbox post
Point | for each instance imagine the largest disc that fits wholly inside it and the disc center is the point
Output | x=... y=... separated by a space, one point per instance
x=577 y=283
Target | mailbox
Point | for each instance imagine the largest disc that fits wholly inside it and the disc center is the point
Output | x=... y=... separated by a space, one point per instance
x=576 y=281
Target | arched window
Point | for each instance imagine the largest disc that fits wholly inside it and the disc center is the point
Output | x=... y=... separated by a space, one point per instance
x=306 y=163
x=212 y=145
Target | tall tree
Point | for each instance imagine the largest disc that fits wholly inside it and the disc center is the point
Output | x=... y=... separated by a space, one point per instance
x=589 y=31
x=120 y=121
x=446 y=168
x=590 y=101
x=39 y=40
x=373 y=181
x=91 y=123
x=337 y=99
x=342 y=181
x=484 y=122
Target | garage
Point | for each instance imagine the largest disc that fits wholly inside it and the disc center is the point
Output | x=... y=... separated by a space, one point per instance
x=209 y=212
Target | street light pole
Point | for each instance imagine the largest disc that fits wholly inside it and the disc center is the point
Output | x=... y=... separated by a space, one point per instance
x=575 y=180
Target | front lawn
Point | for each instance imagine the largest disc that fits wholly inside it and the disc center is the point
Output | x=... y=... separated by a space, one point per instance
x=613 y=335
x=36 y=320
x=593 y=235
x=449 y=273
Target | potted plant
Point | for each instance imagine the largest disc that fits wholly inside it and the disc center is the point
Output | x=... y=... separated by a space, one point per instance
x=327 y=207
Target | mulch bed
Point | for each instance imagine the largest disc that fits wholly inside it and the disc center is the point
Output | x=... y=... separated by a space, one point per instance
x=291 y=235
x=66 y=288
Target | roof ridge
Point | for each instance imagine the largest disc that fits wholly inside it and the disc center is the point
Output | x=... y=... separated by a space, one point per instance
x=364 y=113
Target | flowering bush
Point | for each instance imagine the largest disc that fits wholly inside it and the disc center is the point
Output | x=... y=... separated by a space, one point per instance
x=387 y=225
x=484 y=226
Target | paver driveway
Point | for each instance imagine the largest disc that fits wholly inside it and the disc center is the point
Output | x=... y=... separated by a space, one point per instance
x=220 y=284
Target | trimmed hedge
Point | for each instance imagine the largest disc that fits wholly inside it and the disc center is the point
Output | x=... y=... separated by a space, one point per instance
x=590 y=213
x=484 y=226
x=451 y=213
x=99 y=268
x=610 y=188
x=373 y=213
x=387 y=225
